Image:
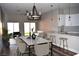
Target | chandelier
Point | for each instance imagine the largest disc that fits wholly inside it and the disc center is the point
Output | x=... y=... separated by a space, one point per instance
x=34 y=14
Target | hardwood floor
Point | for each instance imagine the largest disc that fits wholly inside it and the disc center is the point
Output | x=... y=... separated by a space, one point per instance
x=63 y=52
x=57 y=51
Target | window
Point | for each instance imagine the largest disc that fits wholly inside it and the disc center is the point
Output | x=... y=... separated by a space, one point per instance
x=28 y=28
x=0 y=28
x=13 y=27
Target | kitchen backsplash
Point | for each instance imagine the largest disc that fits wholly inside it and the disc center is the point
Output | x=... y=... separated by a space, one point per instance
x=69 y=29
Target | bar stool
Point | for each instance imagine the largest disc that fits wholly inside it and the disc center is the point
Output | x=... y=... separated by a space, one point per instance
x=53 y=39
x=63 y=41
x=53 y=42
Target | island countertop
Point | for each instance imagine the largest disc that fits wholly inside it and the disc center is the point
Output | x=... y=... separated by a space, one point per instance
x=63 y=35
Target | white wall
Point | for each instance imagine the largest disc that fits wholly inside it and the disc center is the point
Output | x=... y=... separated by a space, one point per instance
x=16 y=18
x=72 y=25
x=49 y=22
x=64 y=17
x=47 y=25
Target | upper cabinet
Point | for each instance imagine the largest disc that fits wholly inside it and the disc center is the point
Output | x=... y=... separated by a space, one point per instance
x=73 y=21
x=61 y=20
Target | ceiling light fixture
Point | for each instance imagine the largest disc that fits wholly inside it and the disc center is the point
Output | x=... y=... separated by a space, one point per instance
x=34 y=14
x=69 y=13
x=51 y=5
x=59 y=13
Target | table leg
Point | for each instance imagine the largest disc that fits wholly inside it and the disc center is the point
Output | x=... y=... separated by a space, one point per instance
x=51 y=48
x=29 y=50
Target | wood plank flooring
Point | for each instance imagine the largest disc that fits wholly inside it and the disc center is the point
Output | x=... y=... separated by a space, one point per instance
x=57 y=51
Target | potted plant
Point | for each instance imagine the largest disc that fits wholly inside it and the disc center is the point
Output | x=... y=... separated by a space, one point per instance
x=5 y=37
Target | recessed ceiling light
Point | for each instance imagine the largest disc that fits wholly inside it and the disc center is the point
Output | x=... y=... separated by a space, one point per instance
x=18 y=10
x=51 y=5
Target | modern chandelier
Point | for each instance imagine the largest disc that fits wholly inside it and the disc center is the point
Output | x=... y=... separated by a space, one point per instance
x=34 y=14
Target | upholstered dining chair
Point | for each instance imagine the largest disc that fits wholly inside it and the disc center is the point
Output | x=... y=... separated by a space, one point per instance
x=22 y=48
x=41 y=49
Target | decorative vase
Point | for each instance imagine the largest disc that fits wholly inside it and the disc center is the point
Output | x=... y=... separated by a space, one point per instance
x=33 y=36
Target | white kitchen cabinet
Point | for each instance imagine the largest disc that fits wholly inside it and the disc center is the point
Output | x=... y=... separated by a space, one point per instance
x=74 y=20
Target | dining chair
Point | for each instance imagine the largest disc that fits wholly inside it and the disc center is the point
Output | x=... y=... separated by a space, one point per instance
x=13 y=47
x=52 y=38
x=41 y=49
x=22 y=48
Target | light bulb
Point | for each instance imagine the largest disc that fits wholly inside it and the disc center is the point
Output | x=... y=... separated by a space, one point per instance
x=39 y=13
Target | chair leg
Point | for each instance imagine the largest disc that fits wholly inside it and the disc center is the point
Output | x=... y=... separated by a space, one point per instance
x=21 y=54
x=60 y=42
x=63 y=46
x=60 y=45
x=55 y=41
x=66 y=44
x=17 y=52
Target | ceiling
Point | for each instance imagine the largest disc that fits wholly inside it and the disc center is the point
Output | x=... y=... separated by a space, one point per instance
x=20 y=8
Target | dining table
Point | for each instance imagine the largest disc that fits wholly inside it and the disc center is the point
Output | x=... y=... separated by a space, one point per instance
x=30 y=42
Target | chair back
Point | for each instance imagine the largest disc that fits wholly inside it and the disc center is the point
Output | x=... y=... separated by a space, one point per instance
x=21 y=45
x=41 y=49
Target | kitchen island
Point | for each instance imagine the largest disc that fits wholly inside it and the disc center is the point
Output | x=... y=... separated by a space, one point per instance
x=73 y=41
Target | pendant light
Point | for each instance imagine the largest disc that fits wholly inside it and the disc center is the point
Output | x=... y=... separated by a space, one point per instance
x=69 y=14
x=34 y=14
x=59 y=13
